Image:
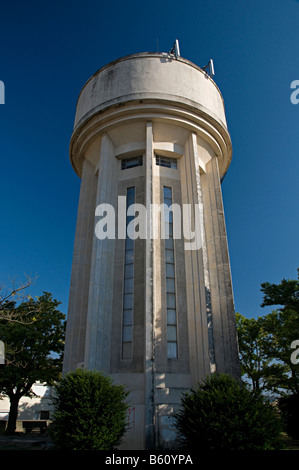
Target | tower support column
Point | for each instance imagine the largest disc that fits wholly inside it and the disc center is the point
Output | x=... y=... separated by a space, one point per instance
x=98 y=329
x=149 y=304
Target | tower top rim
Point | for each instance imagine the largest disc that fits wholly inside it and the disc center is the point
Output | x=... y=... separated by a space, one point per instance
x=151 y=86
x=161 y=55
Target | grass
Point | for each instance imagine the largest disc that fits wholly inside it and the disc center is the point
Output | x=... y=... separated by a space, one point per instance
x=21 y=441
x=290 y=444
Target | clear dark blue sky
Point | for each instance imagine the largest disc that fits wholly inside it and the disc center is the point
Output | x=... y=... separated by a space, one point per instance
x=49 y=50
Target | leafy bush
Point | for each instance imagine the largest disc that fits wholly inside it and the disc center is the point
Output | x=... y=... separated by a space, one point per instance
x=222 y=414
x=89 y=412
x=289 y=407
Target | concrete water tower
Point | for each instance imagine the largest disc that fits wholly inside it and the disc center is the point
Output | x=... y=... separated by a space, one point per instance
x=154 y=312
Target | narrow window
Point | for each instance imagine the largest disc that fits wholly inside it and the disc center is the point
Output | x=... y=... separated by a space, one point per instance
x=131 y=162
x=172 y=348
x=166 y=162
x=44 y=414
x=128 y=290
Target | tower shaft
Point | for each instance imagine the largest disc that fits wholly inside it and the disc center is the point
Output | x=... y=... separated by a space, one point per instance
x=154 y=312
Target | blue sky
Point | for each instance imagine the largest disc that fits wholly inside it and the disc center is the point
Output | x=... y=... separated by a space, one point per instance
x=50 y=49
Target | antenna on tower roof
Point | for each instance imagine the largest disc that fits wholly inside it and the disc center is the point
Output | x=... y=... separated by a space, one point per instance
x=175 y=49
x=210 y=66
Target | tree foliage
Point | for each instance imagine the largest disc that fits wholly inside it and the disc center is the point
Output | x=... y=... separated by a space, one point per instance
x=289 y=407
x=90 y=412
x=282 y=329
x=285 y=294
x=13 y=295
x=33 y=348
x=265 y=342
x=251 y=337
x=222 y=414
x=266 y=349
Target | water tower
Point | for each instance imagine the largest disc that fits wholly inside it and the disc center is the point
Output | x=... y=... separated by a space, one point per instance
x=154 y=312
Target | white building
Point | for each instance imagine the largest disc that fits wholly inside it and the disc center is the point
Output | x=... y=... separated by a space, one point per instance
x=35 y=408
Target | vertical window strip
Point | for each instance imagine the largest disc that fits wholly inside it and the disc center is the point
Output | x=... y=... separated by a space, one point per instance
x=172 y=346
x=128 y=290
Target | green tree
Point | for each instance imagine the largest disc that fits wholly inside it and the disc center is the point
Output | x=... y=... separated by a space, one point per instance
x=254 y=364
x=16 y=293
x=222 y=414
x=34 y=342
x=90 y=412
x=265 y=343
x=282 y=328
x=289 y=407
x=285 y=294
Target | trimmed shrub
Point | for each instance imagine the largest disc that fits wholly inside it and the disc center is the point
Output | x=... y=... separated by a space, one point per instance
x=89 y=412
x=222 y=414
x=289 y=407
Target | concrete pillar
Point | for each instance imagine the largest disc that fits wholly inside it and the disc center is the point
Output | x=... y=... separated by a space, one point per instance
x=149 y=308
x=98 y=327
x=222 y=302
x=80 y=277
